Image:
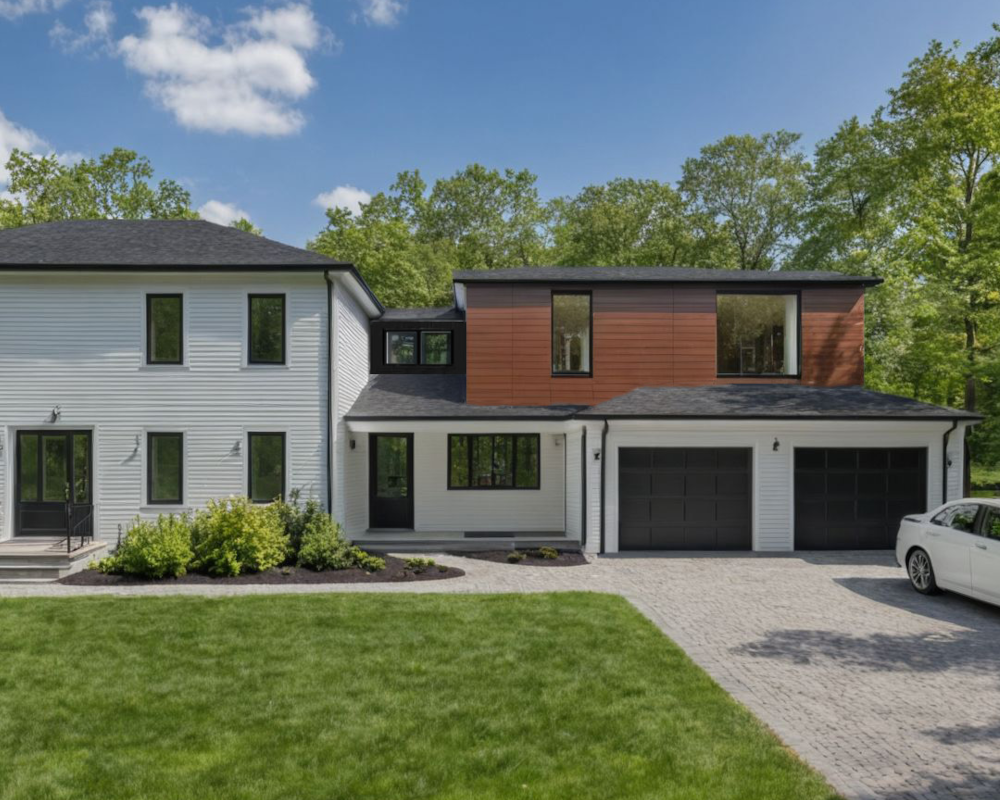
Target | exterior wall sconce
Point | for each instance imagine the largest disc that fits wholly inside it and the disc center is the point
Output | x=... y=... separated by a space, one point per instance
x=777 y=445
x=238 y=447
x=353 y=444
x=597 y=455
x=56 y=414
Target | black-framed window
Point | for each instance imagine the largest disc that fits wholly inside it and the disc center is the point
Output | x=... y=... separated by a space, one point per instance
x=266 y=329
x=400 y=347
x=165 y=468
x=164 y=329
x=572 y=333
x=494 y=461
x=757 y=333
x=266 y=473
x=435 y=348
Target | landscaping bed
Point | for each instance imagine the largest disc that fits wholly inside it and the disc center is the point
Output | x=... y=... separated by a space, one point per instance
x=396 y=571
x=341 y=696
x=565 y=558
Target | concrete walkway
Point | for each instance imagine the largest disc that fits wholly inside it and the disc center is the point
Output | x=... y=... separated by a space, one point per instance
x=888 y=693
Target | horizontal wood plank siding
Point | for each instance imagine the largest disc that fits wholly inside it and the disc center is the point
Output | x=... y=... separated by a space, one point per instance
x=655 y=335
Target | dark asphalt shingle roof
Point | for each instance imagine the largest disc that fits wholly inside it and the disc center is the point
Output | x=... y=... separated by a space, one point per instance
x=654 y=275
x=444 y=314
x=436 y=397
x=443 y=397
x=148 y=243
x=756 y=401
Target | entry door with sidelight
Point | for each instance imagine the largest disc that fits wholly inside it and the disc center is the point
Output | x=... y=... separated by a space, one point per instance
x=54 y=483
x=391 y=480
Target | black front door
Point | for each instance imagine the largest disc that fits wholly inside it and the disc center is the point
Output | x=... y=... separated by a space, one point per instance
x=54 y=490
x=390 y=480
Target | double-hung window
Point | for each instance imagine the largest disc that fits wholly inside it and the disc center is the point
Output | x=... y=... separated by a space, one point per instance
x=571 y=333
x=266 y=329
x=266 y=474
x=164 y=329
x=493 y=461
x=165 y=468
x=757 y=334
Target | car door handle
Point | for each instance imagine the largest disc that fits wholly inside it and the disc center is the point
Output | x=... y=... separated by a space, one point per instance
x=981 y=546
x=935 y=534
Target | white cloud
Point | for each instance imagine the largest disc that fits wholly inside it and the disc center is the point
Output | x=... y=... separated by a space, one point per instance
x=349 y=197
x=243 y=77
x=12 y=137
x=382 y=12
x=222 y=213
x=12 y=9
x=98 y=22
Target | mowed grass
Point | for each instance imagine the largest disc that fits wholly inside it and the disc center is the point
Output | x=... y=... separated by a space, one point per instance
x=369 y=696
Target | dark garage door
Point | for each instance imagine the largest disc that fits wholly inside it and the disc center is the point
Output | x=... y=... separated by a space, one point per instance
x=853 y=498
x=684 y=498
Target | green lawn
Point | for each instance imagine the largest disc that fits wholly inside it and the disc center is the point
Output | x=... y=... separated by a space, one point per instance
x=369 y=696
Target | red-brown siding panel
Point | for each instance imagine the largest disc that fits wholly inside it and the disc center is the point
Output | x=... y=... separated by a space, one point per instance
x=653 y=335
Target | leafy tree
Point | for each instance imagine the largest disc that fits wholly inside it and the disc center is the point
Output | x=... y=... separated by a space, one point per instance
x=629 y=222
x=755 y=187
x=245 y=225
x=117 y=185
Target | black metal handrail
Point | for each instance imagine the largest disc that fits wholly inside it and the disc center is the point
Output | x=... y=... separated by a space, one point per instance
x=82 y=527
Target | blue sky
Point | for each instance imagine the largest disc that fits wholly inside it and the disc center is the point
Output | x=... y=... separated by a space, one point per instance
x=266 y=106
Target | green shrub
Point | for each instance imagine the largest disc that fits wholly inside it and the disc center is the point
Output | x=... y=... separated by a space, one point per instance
x=515 y=557
x=160 y=549
x=295 y=518
x=367 y=561
x=235 y=536
x=323 y=546
x=419 y=564
x=548 y=552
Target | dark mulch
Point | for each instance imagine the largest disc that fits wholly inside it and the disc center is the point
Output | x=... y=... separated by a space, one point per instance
x=395 y=572
x=566 y=558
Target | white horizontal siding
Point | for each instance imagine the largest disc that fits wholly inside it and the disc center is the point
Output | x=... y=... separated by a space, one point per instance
x=351 y=356
x=77 y=341
x=437 y=508
x=574 y=486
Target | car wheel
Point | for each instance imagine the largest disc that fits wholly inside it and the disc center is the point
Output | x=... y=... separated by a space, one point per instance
x=921 y=572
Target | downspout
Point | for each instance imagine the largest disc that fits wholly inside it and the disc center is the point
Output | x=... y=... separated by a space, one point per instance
x=329 y=393
x=604 y=443
x=583 y=489
x=944 y=461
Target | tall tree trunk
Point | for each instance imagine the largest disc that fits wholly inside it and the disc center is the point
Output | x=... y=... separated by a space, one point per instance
x=970 y=377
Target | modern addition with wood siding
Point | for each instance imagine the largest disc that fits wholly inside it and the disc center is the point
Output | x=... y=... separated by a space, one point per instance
x=149 y=366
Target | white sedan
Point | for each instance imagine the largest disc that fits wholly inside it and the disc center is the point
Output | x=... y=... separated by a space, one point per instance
x=954 y=547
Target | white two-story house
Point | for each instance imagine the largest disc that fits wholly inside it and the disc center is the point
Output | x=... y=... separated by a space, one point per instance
x=149 y=366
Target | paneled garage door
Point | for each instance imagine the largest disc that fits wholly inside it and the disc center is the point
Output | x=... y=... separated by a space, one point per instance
x=684 y=498
x=853 y=498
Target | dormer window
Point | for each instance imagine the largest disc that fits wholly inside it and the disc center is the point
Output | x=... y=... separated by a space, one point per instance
x=757 y=334
x=401 y=347
x=423 y=348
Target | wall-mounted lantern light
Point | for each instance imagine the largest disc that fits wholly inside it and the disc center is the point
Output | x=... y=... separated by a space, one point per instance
x=597 y=455
x=353 y=444
x=55 y=414
x=777 y=445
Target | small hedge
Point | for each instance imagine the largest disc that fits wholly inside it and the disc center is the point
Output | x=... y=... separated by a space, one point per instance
x=160 y=549
x=235 y=536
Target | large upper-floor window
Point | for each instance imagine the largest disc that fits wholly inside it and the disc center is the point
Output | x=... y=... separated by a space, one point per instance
x=165 y=470
x=571 y=333
x=493 y=461
x=267 y=466
x=164 y=329
x=757 y=334
x=267 y=329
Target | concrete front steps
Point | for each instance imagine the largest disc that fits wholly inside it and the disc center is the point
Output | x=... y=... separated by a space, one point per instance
x=44 y=559
x=457 y=541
